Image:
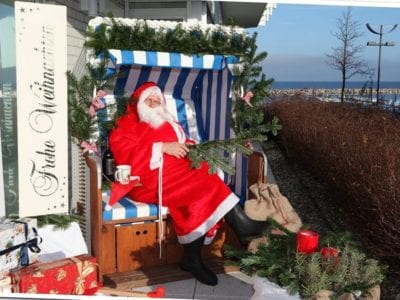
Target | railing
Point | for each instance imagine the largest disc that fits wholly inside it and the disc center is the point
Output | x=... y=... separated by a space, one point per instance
x=79 y=173
x=389 y=97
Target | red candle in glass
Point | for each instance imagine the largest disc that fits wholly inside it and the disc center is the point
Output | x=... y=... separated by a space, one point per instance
x=307 y=241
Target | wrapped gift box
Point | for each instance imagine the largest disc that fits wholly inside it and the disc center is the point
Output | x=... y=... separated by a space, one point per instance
x=61 y=243
x=13 y=233
x=70 y=276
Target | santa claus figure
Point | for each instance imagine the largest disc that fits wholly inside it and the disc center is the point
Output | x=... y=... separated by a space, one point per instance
x=149 y=139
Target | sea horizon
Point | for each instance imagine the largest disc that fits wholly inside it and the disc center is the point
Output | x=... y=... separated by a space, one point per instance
x=332 y=85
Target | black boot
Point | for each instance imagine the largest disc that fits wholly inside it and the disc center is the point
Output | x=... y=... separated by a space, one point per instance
x=192 y=262
x=244 y=227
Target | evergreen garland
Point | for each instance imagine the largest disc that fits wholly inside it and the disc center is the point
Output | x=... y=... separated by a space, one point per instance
x=166 y=36
x=307 y=274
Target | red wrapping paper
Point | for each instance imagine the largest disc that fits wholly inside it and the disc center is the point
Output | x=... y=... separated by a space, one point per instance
x=69 y=276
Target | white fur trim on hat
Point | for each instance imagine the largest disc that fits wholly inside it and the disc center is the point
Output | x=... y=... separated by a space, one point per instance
x=153 y=90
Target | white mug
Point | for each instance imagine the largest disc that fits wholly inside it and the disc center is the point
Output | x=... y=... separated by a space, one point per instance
x=123 y=174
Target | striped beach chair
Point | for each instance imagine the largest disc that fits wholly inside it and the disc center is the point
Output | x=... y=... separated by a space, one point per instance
x=198 y=90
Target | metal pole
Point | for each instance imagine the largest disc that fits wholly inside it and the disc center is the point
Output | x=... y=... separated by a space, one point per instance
x=380 y=44
x=379 y=64
x=126 y=9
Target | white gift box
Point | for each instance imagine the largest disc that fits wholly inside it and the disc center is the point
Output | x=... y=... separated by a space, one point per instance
x=11 y=234
x=61 y=243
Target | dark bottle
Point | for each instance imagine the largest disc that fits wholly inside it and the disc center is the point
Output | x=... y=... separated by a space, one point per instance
x=108 y=165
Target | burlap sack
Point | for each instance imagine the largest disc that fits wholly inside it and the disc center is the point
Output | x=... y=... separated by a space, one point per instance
x=323 y=295
x=373 y=293
x=255 y=243
x=271 y=203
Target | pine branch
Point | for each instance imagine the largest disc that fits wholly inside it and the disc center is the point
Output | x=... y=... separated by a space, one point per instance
x=78 y=102
x=80 y=94
x=280 y=227
x=215 y=154
x=60 y=221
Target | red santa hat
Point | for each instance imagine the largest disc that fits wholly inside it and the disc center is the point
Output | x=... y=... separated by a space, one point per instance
x=144 y=91
x=147 y=89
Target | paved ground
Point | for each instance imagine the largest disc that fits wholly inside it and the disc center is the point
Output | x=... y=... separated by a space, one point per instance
x=231 y=286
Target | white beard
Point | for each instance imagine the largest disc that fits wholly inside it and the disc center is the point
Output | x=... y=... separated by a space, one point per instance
x=155 y=117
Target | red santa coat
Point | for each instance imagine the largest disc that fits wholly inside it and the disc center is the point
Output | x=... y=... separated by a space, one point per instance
x=196 y=200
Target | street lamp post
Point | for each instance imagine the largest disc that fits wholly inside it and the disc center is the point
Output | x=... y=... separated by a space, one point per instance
x=380 y=44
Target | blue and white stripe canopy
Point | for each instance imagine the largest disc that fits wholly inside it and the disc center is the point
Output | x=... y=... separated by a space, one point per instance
x=198 y=91
x=170 y=59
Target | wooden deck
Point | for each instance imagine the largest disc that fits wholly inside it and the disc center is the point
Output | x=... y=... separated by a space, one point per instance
x=159 y=275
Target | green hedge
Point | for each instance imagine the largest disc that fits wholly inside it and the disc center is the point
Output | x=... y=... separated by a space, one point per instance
x=356 y=151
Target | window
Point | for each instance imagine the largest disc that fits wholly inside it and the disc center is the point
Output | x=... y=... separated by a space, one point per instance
x=8 y=112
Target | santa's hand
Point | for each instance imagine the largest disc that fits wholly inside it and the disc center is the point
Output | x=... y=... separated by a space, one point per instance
x=175 y=149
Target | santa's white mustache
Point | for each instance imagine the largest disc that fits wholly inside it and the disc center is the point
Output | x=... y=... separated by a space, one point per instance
x=155 y=116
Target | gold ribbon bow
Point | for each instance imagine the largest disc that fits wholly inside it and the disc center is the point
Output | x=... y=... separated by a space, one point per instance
x=83 y=271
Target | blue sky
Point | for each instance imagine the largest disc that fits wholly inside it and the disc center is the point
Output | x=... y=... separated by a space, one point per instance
x=298 y=37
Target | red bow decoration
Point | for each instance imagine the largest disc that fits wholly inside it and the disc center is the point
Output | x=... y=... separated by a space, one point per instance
x=88 y=147
x=97 y=103
x=213 y=230
x=246 y=98
x=249 y=144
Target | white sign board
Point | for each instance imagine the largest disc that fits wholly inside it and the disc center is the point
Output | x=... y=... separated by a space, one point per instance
x=41 y=47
